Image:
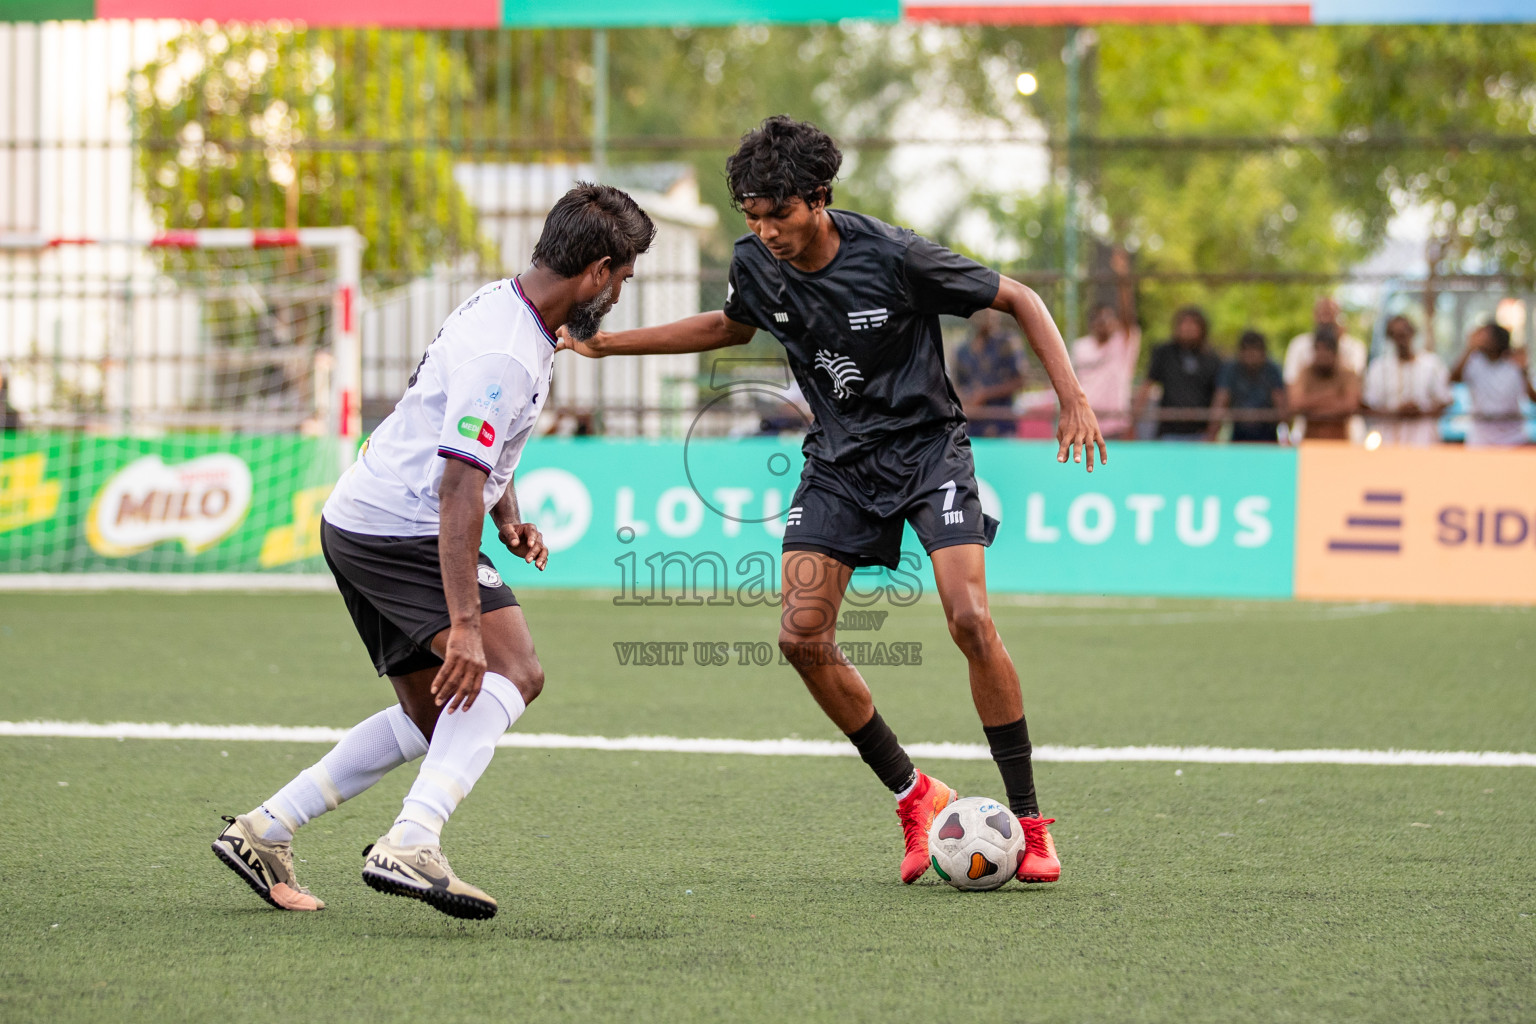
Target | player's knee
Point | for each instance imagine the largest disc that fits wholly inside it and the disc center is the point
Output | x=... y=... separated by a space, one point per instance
x=971 y=629
x=530 y=681
x=803 y=649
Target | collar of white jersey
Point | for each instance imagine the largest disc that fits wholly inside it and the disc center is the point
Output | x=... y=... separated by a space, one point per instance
x=537 y=316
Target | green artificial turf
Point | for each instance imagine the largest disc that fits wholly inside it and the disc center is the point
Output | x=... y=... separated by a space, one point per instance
x=679 y=887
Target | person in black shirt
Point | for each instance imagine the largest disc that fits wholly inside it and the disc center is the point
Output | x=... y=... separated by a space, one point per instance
x=856 y=304
x=1186 y=368
x=1252 y=382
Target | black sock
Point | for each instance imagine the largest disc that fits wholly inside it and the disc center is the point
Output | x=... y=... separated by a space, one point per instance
x=881 y=751
x=1011 y=750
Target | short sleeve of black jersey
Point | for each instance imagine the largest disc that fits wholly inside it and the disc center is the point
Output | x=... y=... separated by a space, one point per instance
x=942 y=281
x=739 y=302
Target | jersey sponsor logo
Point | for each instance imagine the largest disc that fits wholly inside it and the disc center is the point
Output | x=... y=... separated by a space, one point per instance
x=843 y=371
x=866 y=318
x=469 y=303
x=490 y=401
x=488 y=576
x=478 y=429
x=794 y=516
x=781 y=318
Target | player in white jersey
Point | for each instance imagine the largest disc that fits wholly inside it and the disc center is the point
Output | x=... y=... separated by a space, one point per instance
x=401 y=533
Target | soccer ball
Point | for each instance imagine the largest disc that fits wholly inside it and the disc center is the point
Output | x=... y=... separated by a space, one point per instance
x=976 y=844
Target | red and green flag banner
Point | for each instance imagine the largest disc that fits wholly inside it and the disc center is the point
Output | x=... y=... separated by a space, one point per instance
x=549 y=13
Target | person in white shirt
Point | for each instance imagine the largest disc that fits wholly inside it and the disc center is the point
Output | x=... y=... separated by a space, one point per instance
x=401 y=533
x=1298 y=354
x=1411 y=388
x=1496 y=380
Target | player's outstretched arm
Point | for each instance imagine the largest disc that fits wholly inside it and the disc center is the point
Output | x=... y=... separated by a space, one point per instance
x=1078 y=431
x=461 y=518
x=699 y=333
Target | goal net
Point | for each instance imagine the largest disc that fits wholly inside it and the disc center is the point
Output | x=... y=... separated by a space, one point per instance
x=179 y=404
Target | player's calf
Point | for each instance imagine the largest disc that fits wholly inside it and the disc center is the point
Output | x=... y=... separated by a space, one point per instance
x=266 y=866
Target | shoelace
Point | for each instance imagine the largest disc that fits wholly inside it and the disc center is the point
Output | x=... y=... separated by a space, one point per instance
x=1035 y=835
x=434 y=856
x=283 y=854
x=911 y=826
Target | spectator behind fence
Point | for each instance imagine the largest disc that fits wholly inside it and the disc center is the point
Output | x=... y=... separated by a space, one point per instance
x=1298 y=354
x=10 y=419
x=1327 y=393
x=1186 y=368
x=1412 y=388
x=1252 y=381
x=1105 y=358
x=1496 y=378
x=988 y=372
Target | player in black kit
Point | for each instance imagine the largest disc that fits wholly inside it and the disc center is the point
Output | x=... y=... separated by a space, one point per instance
x=856 y=304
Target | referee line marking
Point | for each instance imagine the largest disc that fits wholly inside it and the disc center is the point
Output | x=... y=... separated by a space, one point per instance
x=791 y=747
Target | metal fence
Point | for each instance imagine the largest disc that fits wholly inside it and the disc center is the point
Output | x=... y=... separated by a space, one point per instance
x=443 y=149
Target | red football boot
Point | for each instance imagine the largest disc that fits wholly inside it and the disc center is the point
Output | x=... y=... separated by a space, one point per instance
x=1040 y=863
x=916 y=811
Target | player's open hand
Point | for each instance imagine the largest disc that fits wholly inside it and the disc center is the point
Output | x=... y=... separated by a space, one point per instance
x=526 y=542
x=564 y=342
x=1078 y=433
x=458 y=681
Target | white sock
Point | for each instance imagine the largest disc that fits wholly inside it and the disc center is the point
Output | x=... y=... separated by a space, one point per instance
x=462 y=745
x=365 y=754
x=910 y=787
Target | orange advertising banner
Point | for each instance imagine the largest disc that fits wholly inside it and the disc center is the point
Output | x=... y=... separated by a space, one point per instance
x=1416 y=524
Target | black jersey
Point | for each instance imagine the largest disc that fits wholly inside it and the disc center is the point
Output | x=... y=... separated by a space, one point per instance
x=862 y=332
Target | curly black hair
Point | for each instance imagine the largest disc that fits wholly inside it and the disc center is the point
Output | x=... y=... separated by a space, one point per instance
x=783 y=158
x=590 y=222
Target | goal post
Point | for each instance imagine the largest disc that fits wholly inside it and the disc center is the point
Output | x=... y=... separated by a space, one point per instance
x=177 y=403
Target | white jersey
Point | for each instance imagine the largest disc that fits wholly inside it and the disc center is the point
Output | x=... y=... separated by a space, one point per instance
x=474 y=397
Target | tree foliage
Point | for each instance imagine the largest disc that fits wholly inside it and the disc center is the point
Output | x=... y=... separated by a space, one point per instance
x=268 y=126
x=1457 y=82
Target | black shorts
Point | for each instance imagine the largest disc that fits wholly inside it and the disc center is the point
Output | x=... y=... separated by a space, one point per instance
x=855 y=511
x=393 y=586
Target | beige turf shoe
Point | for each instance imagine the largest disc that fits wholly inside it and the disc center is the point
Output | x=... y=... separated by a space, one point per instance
x=267 y=867
x=422 y=873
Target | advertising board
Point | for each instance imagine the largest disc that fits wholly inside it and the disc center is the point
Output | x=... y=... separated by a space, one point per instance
x=1416 y=524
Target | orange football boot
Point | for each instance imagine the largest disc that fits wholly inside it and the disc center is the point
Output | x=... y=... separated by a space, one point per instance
x=1040 y=863
x=917 y=811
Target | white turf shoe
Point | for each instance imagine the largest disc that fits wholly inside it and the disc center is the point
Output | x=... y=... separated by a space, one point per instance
x=422 y=873
x=267 y=867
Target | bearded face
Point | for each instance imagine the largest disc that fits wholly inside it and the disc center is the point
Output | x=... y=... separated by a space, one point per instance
x=587 y=316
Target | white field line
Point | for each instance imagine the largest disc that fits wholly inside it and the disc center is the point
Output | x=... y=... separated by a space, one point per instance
x=1291 y=613
x=167 y=582
x=790 y=747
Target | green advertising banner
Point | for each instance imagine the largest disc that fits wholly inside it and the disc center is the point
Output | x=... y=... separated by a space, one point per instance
x=191 y=503
x=659 y=521
x=1161 y=518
